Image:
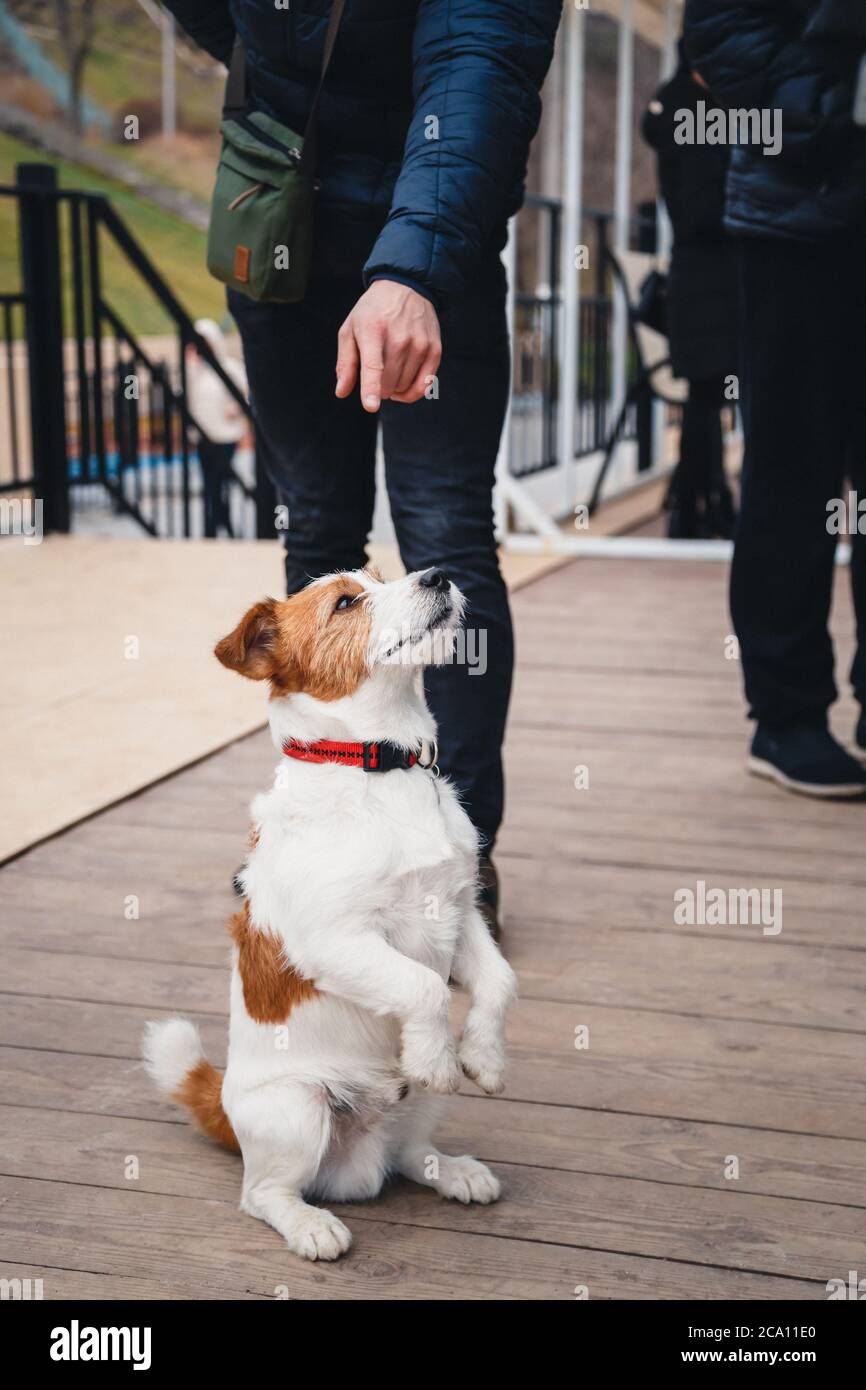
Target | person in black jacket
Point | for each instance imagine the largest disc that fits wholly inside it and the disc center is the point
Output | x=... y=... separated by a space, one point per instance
x=801 y=220
x=700 y=304
x=423 y=133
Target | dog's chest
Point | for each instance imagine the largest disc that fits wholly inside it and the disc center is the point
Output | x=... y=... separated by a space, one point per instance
x=400 y=853
x=420 y=913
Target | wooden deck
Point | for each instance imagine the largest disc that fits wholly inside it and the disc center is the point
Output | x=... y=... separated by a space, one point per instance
x=706 y=1043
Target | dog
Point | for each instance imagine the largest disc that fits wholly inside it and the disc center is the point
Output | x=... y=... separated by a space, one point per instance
x=359 y=906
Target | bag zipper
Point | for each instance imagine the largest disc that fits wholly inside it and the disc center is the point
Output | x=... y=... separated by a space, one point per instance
x=250 y=126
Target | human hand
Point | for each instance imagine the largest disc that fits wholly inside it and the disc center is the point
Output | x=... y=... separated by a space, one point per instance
x=393 y=335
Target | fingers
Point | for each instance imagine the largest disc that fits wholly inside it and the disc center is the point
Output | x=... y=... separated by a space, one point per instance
x=372 y=346
x=347 y=360
x=418 y=384
x=417 y=351
x=391 y=338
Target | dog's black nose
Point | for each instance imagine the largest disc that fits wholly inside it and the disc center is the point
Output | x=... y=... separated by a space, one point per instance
x=434 y=579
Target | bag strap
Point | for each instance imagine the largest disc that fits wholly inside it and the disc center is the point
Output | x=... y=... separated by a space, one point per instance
x=236 y=84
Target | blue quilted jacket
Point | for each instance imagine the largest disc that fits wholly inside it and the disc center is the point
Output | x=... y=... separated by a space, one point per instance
x=425 y=122
x=800 y=57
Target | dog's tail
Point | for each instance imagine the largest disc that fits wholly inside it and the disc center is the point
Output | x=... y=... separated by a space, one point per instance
x=175 y=1061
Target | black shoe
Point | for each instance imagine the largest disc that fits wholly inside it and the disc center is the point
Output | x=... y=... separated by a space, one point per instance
x=806 y=758
x=860 y=737
x=683 y=523
x=488 y=896
x=719 y=515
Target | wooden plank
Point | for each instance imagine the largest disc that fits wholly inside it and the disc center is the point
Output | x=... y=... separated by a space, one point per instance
x=762 y=980
x=603 y=891
x=712 y=1070
x=210 y=1243
x=729 y=1229
x=51 y=1142
x=695 y=971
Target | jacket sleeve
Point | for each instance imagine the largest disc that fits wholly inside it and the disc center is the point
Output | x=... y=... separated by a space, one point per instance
x=208 y=23
x=751 y=54
x=478 y=67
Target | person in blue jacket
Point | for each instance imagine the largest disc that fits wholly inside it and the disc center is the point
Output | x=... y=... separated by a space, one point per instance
x=800 y=218
x=423 y=133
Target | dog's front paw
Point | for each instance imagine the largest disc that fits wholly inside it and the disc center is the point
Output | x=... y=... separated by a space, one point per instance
x=484 y=1064
x=316 y=1234
x=431 y=1062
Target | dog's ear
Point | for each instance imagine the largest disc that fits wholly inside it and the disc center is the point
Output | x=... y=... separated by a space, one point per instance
x=251 y=648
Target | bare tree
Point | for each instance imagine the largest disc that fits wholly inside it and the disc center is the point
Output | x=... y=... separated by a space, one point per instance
x=76 y=26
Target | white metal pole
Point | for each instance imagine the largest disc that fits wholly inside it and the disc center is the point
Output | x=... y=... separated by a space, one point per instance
x=500 y=487
x=169 y=88
x=667 y=65
x=622 y=189
x=664 y=231
x=669 y=42
x=569 y=341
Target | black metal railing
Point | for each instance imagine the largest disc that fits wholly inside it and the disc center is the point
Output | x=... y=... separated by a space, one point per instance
x=110 y=424
x=15 y=472
x=535 y=401
x=535 y=347
x=98 y=423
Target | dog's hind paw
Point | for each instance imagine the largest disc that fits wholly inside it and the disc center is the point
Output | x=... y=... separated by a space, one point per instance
x=466 y=1180
x=483 y=1065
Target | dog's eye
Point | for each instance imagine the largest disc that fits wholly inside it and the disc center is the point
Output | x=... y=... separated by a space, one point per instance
x=345 y=601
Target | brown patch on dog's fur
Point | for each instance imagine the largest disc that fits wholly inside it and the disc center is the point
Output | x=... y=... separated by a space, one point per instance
x=201 y=1093
x=271 y=988
x=253 y=838
x=304 y=643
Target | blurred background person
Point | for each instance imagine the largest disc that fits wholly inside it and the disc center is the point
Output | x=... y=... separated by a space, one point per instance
x=215 y=410
x=701 y=304
x=800 y=216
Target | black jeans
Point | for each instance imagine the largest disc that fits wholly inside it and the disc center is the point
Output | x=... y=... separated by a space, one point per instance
x=700 y=467
x=803 y=397
x=216 y=467
x=439 y=460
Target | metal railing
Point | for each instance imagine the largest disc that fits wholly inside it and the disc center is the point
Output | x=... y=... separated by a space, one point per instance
x=110 y=423
x=537 y=332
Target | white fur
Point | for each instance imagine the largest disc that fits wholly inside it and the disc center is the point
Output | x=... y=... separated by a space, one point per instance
x=369 y=879
x=170 y=1050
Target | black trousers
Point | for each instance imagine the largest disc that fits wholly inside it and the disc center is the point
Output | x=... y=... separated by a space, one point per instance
x=803 y=397
x=700 y=467
x=439 y=460
x=216 y=467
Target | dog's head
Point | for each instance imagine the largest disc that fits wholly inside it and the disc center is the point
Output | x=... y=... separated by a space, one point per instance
x=327 y=639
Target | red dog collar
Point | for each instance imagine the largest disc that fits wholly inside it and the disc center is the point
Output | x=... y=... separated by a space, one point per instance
x=372 y=757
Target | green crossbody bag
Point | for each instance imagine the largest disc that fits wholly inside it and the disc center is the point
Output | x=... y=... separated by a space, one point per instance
x=260 y=234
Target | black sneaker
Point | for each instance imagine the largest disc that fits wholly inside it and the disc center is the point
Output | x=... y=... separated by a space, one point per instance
x=806 y=758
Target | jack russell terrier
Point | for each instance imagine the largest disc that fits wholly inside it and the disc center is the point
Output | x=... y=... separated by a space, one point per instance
x=360 y=904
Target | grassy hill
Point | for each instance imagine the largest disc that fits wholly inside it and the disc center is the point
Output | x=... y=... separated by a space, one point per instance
x=177 y=249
